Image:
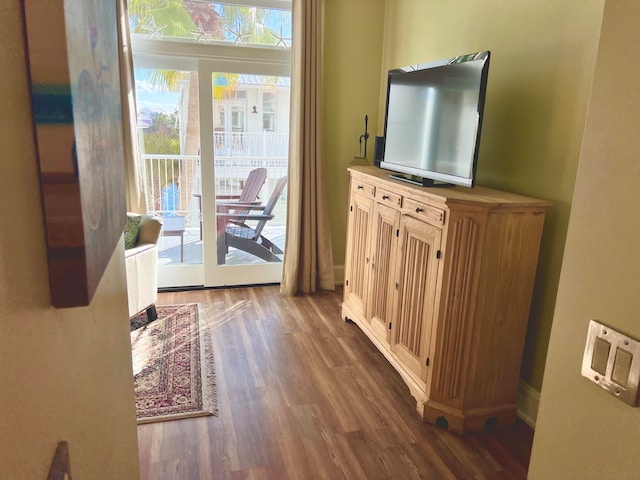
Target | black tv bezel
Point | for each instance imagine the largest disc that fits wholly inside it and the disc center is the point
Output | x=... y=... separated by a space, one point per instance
x=431 y=177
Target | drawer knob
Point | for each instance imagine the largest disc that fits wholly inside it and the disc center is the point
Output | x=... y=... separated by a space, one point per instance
x=385 y=197
x=360 y=187
x=419 y=210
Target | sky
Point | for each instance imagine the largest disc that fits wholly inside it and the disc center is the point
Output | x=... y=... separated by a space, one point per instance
x=149 y=96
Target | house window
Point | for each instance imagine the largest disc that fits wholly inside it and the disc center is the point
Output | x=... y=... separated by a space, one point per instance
x=229 y=113
x=269 y=111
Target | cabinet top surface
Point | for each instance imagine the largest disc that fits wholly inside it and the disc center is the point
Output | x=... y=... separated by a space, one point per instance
x=480 y=195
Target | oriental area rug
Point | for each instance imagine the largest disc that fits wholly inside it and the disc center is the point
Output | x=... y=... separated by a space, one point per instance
x=172 y=365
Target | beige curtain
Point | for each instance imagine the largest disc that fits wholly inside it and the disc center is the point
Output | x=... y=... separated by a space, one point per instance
x=308 y=264
x=134 y=187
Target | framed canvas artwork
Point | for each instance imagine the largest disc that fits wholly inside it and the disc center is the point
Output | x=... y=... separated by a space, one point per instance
x=75 y=86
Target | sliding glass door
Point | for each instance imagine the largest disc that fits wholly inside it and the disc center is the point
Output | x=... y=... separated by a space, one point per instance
x=212 y=112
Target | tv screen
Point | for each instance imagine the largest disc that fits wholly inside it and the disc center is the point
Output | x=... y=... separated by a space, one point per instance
x=434 y=118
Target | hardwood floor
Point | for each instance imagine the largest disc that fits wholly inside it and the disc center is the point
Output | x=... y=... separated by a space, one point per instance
x=304 y=395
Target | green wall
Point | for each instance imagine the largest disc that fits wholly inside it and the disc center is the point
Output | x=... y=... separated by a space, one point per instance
x=543 y=58
x=352 y=59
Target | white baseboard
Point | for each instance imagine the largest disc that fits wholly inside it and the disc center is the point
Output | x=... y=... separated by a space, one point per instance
x=527 y=402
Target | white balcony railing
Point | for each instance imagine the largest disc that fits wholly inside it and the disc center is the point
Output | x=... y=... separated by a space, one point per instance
x=266 y=144
x=173 y=183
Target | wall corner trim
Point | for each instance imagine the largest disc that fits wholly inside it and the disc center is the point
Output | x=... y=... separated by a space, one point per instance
x=527 y=402
x=338 y=273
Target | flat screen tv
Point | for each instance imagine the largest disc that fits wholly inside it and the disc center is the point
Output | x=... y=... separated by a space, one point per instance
x=433 y=120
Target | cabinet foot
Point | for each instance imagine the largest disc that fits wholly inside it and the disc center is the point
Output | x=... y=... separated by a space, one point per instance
x=464 y=422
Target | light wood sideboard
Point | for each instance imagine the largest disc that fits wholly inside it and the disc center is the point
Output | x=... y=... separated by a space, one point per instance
x=440 y=280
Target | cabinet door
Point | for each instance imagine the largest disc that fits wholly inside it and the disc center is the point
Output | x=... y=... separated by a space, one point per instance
x=415 y=297
x=384 y=249
x=357 y=252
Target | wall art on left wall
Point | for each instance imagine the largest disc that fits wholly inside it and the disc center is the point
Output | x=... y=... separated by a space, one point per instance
x=75 y=86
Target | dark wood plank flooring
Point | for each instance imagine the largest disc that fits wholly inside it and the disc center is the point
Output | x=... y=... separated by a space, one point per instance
x=304 y=395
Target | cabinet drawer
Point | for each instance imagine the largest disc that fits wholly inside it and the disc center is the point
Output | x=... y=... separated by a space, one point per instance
x=388 y=198
x=432 y=215
x=363 y=188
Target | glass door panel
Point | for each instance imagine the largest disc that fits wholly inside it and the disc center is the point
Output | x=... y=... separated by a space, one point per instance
x=200 y=149
x=169 y=133
x=250 y=235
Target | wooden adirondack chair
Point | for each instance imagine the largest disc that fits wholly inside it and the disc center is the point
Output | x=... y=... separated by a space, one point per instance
x=230 y=203
x=252 y=186
x=233 y=230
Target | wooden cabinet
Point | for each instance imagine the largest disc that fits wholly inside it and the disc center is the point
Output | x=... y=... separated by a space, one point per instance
x=440 y=280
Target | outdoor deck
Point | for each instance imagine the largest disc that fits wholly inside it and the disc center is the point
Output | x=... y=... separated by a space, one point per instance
x=169 y=248
x=173 y=189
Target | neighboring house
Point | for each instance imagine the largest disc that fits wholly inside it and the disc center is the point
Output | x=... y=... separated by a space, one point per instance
x=65 y=374
x=251 y=108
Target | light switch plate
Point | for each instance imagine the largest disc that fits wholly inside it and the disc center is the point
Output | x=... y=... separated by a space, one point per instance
x=623 y=355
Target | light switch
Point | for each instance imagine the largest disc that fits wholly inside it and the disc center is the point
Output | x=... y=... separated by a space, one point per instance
x=622 y=367
x=612 y=360
x=600 y=357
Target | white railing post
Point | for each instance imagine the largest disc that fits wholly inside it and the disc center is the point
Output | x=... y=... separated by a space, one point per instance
x=264 y=144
